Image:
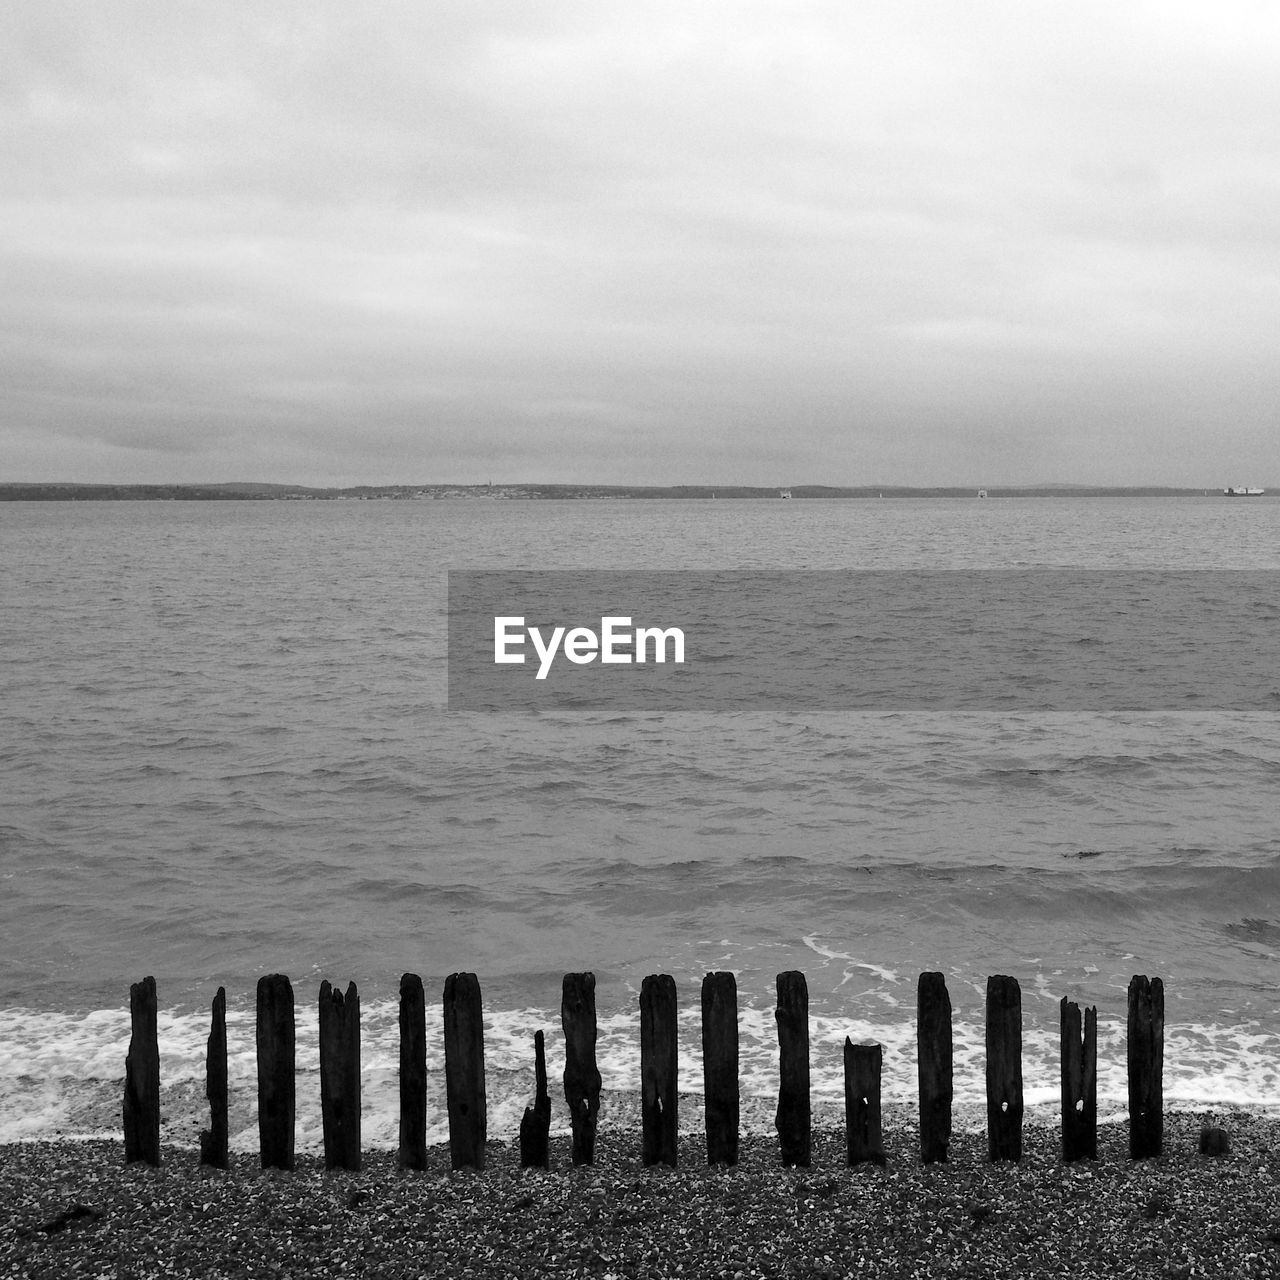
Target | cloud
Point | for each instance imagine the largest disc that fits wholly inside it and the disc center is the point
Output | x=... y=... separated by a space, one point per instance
x=651 y=242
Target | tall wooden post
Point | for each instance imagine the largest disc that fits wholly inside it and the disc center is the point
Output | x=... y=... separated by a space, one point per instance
x=581 y=1078
x=933 y=1050
x=142 y=1077
x=1146 y=1067
x=862 y=1069
x=1004 y=1068
x=276 y=1055
x=793 y=1116
x=1079 y=1083
x=720 y=1066
x=464 y=1071
x=413 y=1073
x=658 y=1069
x=535 y=1124
x=340 y=1076
x=213 y=1140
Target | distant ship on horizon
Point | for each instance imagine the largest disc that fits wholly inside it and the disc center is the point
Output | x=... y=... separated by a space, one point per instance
x=1240 y=491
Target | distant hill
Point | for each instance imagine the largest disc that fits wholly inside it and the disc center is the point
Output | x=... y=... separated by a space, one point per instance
x=60 y=491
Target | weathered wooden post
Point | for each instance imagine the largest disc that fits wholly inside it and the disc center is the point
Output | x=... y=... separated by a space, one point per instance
x=862 y=1068
x=213 y=1140
x=720 y=1066
x=413 y=1073
x=1004 y=1068
x=581 y=1078
x=1079 y=1083
x=464 y=1071
x=658 y=1069
x=340 y=1076
x=275 y=1036
x=933 y=1051
x=142 y=1077
x=1146 y=1067
x=535 y=1124
x=792 y=1121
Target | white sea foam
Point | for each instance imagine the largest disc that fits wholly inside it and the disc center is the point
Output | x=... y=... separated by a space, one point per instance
x=853 y=965
x=61 y=1075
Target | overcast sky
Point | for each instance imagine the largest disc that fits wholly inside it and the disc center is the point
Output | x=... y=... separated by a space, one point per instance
x=846 y=243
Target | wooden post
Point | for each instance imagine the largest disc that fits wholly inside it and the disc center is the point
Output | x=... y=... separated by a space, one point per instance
x=464 y=1071
x=142 y=1077
x=535 y=1124
x=213 y=1140
x=658 y=1069
x=792 y=1120
x=720 y=1066
x=581 y=1078
x=862 y=1068
x=413 y=1073
x=1004 y=1068
x=1079 y=1083
x=275 y=1033
x=933 y=1051
x=340 y=1076
x=1146 y=1067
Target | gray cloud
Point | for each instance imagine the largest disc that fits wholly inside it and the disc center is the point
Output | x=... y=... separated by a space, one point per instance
x=652 y=242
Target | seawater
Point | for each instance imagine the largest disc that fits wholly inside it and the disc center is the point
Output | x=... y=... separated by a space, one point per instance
x=225 y=751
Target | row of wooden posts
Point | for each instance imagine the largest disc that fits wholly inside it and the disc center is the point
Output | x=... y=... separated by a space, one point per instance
x=339 y=1037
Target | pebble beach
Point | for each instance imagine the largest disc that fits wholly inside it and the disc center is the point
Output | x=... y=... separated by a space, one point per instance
x=73 y=1208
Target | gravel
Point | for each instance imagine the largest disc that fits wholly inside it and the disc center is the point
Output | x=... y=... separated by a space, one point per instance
x=75 y=1209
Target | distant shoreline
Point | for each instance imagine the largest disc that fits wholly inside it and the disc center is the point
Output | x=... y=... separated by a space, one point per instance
x=241 y=492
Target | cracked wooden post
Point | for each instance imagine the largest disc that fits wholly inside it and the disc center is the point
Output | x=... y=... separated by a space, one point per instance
x=792 y=1121
x=275 y=1041
x=213 y=1140
x=535 y=1124
x=464 y=1071
x=340 y=1076
x=1079 y=1083
x=1004 y=1068
x=720 y=1066
x=658 y=1069
x=933 y=1053
x=862 y=1069
x=142 y=1077
x=1146 y=1066
x=413 y=1073
x=581 y=1078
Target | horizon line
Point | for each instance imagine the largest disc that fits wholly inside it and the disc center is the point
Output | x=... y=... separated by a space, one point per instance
x=727 y=486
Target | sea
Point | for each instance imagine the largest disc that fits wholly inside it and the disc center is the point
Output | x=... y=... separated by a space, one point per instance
x=226 y=751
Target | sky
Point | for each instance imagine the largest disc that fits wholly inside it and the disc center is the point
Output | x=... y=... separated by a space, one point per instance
x=654 y=243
